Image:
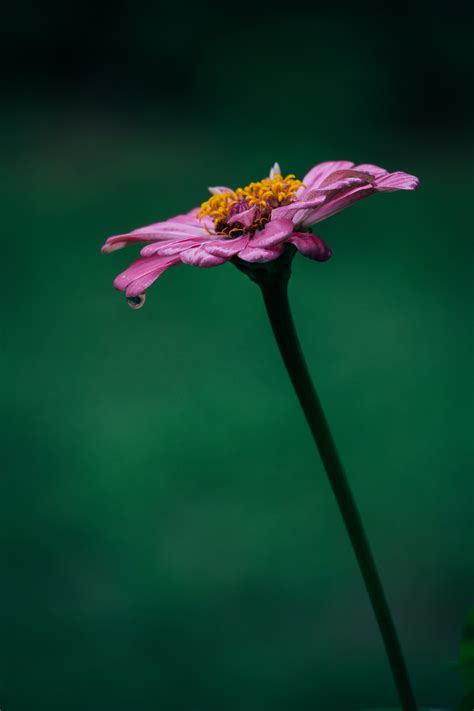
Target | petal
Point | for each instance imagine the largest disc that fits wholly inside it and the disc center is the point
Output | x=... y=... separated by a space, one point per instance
x=142 y=273
x=374 y=170
x=245 y=217
x=168 y=247
x=310 y=246
x=199 y=257
x=336 y=203
x=259 y=254
x=219 y=189
x=136 y=288
x=119 y=241
x=388 y=182
x=275 y=170
x=171 y=228
x=273 y=233
x=226 y=248
x=341 y=179
x=297 y=211
x=316 y=175
x=179 y=227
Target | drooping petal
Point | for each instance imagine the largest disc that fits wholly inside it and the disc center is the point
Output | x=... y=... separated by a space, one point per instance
x=137 y=287
x=226 y=248
x=260 y=254
x=200 y=257
x=274 y=232
x=310 y=246
x=142 y=273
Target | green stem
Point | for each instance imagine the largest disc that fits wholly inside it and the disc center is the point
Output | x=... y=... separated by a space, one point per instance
x=275 y=294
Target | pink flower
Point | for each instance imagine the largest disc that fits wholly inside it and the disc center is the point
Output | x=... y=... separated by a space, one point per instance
x=252 y=223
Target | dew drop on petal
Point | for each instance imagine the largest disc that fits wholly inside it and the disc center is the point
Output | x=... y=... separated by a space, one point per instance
x=136 y=302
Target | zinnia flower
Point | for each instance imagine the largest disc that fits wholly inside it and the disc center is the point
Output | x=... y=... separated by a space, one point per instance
x=252 y=223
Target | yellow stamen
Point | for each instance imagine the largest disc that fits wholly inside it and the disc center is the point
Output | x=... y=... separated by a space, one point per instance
x=265 y=194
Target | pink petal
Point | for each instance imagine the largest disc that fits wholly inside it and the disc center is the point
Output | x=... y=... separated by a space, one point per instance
x=138 y=286
x=389 y=182
x=199 y=257
x=179 y=227
x=273 y=233
x=142 y=273
x=226 y=248
x=171 y=228
x=259 y=254
x=336 y=203
x=310 y=246
x=297 y=211
x=112 y=244
x=339 y=200
x=289 y=212
x=167 y=248
x=245 y=217
x=316 y=175
x=374 y=170
x=341 y=179
x=119 y=241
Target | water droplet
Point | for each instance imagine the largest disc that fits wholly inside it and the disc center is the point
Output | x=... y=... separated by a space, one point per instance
x=136 y=302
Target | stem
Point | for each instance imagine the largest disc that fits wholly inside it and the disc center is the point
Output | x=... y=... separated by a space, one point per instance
x=275 y=294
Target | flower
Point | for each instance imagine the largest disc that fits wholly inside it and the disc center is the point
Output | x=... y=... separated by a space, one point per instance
x=252 y=223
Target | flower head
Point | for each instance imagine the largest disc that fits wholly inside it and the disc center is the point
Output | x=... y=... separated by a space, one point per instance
x=252 y=223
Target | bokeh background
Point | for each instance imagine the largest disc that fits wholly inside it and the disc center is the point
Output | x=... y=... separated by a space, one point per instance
x=169 y=540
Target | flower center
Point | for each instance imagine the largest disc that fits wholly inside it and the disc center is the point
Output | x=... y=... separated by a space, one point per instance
x=255 y=203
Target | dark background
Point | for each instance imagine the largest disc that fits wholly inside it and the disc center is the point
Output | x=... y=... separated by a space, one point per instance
x=169 y=540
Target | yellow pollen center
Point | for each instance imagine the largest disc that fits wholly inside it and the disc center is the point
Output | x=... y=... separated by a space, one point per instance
x=265 y=195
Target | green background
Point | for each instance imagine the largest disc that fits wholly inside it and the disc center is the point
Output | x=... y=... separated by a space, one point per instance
x=169 y=538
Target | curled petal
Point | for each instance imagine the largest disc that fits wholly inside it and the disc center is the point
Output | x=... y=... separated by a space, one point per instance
x=342 y=179
x=320 y=172
x=311 y=246
x=120 y=241
x=112 y=244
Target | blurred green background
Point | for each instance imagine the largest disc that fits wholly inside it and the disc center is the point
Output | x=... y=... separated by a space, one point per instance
x=169 y=540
